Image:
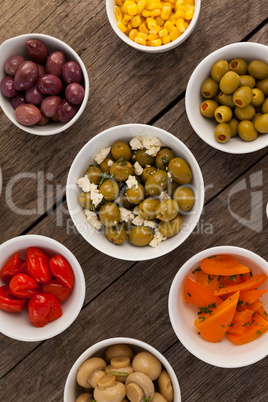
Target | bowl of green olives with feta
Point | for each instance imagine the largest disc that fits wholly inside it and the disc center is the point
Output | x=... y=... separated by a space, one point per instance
x=135 y=192
x=227 y=98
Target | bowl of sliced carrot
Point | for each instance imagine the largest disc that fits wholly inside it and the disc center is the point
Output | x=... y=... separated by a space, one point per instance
x=218 y=306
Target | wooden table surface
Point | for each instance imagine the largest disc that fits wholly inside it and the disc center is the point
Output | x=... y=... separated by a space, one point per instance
x=125 y=298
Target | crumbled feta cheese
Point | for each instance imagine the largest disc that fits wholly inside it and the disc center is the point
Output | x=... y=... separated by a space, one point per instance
x=93 y=219
x=150 y=143
x=136 y=210
x=96 y=197
x=131 y=182
x=85 y=184
x=150 y=223
x=158 y=238
x=138 y=169
x=169 y=175
x=138 y=220
x=125 y=215
x=110 y=163
x=163 y=196
x=102 y=154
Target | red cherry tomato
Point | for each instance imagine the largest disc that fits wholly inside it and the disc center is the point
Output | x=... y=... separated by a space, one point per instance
x=62 y=270
x=55 y=288
x=8 y=301
x=23 y=286
x=37 y=265
x=43 y=308
x=12 y=267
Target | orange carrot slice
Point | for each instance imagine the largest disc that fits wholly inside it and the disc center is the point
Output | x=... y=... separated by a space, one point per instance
x=213 y=327
x=255 y=306
x=248 y=297
x=252 y=283
x=198 y=295
x=241 y=320
x=263 y=313
x=257 y=328
x=210 y=282
x=223 y=265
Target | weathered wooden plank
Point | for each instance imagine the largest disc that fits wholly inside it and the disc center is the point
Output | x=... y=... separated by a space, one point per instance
x=136 y=306
x=126 y=86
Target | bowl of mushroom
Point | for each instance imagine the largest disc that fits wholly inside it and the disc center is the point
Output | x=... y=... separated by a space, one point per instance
x=121 y=370
x=133 y=186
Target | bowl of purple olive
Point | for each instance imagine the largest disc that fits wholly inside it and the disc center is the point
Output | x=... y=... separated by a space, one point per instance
x=44 y=84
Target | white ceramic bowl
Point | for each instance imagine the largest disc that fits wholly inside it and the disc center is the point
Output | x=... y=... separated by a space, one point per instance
x=182 y=315
x=149 y=49
x=85 y=157
x=205 y=127
x=72 y=390
x=16 y=45
x=18 y=326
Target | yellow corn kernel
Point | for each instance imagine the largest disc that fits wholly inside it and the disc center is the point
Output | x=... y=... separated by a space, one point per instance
x=136 y=21
x=156 y=42
x=142 y=35
x=169 y=26
x=141 y=4
x=179 y=3
x=180 y=14
x=159 y=21
x=172 y=18
x=118 y=14
x=174 y=34
x=140 y=41
x=133 y=33
x=149 y=43
x=156 y=12
x=127 y=17
x=189 y=2
x=166 y=10
x=189 y=14
x=151 y=23
x=182 y=8
x=162 y=32
x=143 y=28
x=132 y=9
x=155 y=30
x=156 y=5
x=166 y=39
x=121 y=26
x=152 y=37
x=146 y=13
x=119 y=2
x=126 y=4
x=129 y=28
x=180 y=25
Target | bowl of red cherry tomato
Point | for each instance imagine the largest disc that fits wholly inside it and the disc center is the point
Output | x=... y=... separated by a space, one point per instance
x=42 y=288
x=44 y=85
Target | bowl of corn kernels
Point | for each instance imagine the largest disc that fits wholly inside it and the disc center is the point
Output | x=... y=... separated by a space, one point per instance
x=153 y=26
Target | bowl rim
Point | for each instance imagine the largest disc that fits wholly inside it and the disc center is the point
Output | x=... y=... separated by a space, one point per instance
x=191 y=89
x=180 y=277
x=103 y=134
x=118 y=340
x=157 y=49
x=78 y=274
x=34 y=129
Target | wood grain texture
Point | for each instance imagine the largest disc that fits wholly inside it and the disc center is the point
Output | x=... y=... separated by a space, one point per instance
x=125 y=298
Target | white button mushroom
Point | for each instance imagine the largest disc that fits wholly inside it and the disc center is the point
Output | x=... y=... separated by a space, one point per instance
x=119 y=350
x=165 y=386
x=109 y=390
x=148 y=364
x=85 y=397
x=139 y=386
x=90 y=371
x=158 y=398
x=120 y=367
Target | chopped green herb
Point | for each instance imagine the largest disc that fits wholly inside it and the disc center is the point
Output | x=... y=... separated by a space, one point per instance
x=247 y=324
x=205 y=310
x=219 y=277
x=259 y=333
x=265 y=313
x=232 y=278
x=201 y=318
x=231 y=325
x=213 y=256
x=212 y=305
x=147 y=399
x=210 y=278
x=117 y=373
x=197 y=269
x=123 y=163
x=105 y=176
x=250 y=272
x=247 y=304
x=189 y=294
x=240 y=302
x=222 y=285
x=223 y=326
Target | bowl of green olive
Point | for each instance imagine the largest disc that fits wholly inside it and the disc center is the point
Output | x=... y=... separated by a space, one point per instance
x=135 y=192
x=227 y=98
x=121 y=370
